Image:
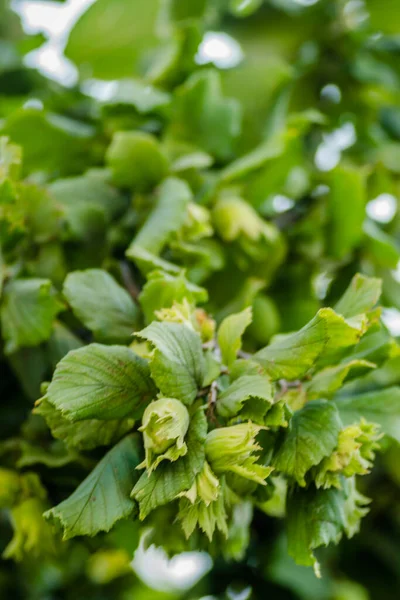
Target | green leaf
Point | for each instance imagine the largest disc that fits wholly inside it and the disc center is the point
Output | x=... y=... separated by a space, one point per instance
x=61 y=341
x=231 y=401
x=192 y=159
x=170 y=479
x=383 y=248
x=347 y=185
x=166 y=218
x=28 y=309
x=101 y=382
x=31 y=366
x=163 y=289
x=384 y=15
x=102 y=498
x=108 y=40
x=138 y=94
x=254 y=160
x=33 y=537
x=83 y=435
x=136 y=160
x=326 y=382
x=50 y=142
x=10 y=160
x=244 y=9
x=147 y=262
x=204 y=117
x=230 y=335
x=376 y=346
x=291 y=356
x=361 y=296
x=54 y=455
x=177 y=365
x=42 y=216
x=180 y=12
x=312 y=434
x=86 y=195
x=236 y=219
x=379 y=406
x=266 y=319
x=314 y=518
x=212 y=368
x=102 y=305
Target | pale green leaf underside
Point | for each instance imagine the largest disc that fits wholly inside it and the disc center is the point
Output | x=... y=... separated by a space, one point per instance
x=74 y=193
x=379 y=406
x=103 y=497
x=101 y=382
x=204 y=117
x=163 y=289
x=231 y=401
x=53 y=456
x=345 y=226
x=82 y=435
x=361 y=295
x=312 y=435
x=61 y=341
x=291 y=356
x=177 y=365
x=314 y=518
x=329 y=380
x=147 y=261
x=166 y=217
x=102 y=305
x=171 y=478
x=27 y=313
x=230 y=335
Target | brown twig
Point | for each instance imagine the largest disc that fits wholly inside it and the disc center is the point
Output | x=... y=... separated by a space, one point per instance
x=286 y=386
x=243 y=354
x=128 y=280
x=211 y=402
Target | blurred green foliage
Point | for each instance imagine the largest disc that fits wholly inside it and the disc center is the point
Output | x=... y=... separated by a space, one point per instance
x=279 y=162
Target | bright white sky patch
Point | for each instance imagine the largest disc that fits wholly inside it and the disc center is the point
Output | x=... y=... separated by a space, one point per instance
x=320 y=190
x=327 y=157
x=33 y=103
x=55 y=20
x=220 y=49
x=383 y=208
x=332 y=93
x=343 y=137
x=321 y=283
x=355 y=13
x=306 y=2
x=281 y=203
x=180 y=573
x=101 y=90
x=49 y=60
x=396 y=272
x=243 y=594
x=330 y=150
x=391 y=318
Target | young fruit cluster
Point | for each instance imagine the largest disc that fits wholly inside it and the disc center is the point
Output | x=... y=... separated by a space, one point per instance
x=208 y=432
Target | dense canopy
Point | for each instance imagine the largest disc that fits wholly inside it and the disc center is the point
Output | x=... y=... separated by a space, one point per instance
x=199 y=300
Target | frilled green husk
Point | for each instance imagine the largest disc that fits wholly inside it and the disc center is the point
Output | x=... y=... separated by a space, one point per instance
x=234 y=449
x=164 y=426
x=354 y=455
